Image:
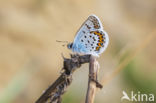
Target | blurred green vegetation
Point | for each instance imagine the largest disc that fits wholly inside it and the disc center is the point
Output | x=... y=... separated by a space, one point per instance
x=139 y=80
x=70 y=97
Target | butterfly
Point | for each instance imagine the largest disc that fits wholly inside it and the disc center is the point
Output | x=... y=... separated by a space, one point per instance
x=90 y=38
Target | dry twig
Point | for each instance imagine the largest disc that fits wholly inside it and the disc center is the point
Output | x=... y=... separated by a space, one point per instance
x=92 y=81
x=54 y=93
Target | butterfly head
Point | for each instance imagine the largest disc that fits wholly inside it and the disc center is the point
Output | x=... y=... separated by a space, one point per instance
x=70 y=45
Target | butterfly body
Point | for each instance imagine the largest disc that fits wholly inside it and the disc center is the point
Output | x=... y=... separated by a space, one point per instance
x=90 y=38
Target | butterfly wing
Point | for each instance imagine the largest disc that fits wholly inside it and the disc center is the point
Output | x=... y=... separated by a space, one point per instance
x=91 y=24
x=90 y=38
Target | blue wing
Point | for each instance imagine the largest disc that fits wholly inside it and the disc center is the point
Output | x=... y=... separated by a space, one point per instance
x=85 y=42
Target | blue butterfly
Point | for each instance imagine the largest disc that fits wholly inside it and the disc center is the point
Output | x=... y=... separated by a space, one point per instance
x=90 y=38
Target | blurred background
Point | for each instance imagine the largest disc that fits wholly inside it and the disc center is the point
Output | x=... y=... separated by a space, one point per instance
x=30 y=57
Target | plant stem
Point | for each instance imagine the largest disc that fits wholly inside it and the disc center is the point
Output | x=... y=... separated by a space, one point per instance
x=93 y=71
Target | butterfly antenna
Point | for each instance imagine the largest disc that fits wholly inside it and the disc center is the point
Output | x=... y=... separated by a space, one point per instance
x=66 y=42
x=62 y=41
x=64 y=45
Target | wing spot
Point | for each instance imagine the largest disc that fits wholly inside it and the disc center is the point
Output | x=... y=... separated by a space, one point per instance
x=85 y=36
x=81 y=40
x=94 y=39
x=96 y=26
x=100 y=40
x=99 y=44
x=88 y=26
x=97 y=48
x=88 y=41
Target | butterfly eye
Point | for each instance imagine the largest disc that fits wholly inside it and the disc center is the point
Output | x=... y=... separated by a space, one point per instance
x=70 y=45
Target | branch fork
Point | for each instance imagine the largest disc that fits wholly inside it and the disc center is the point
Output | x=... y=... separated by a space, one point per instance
x=55 y=91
